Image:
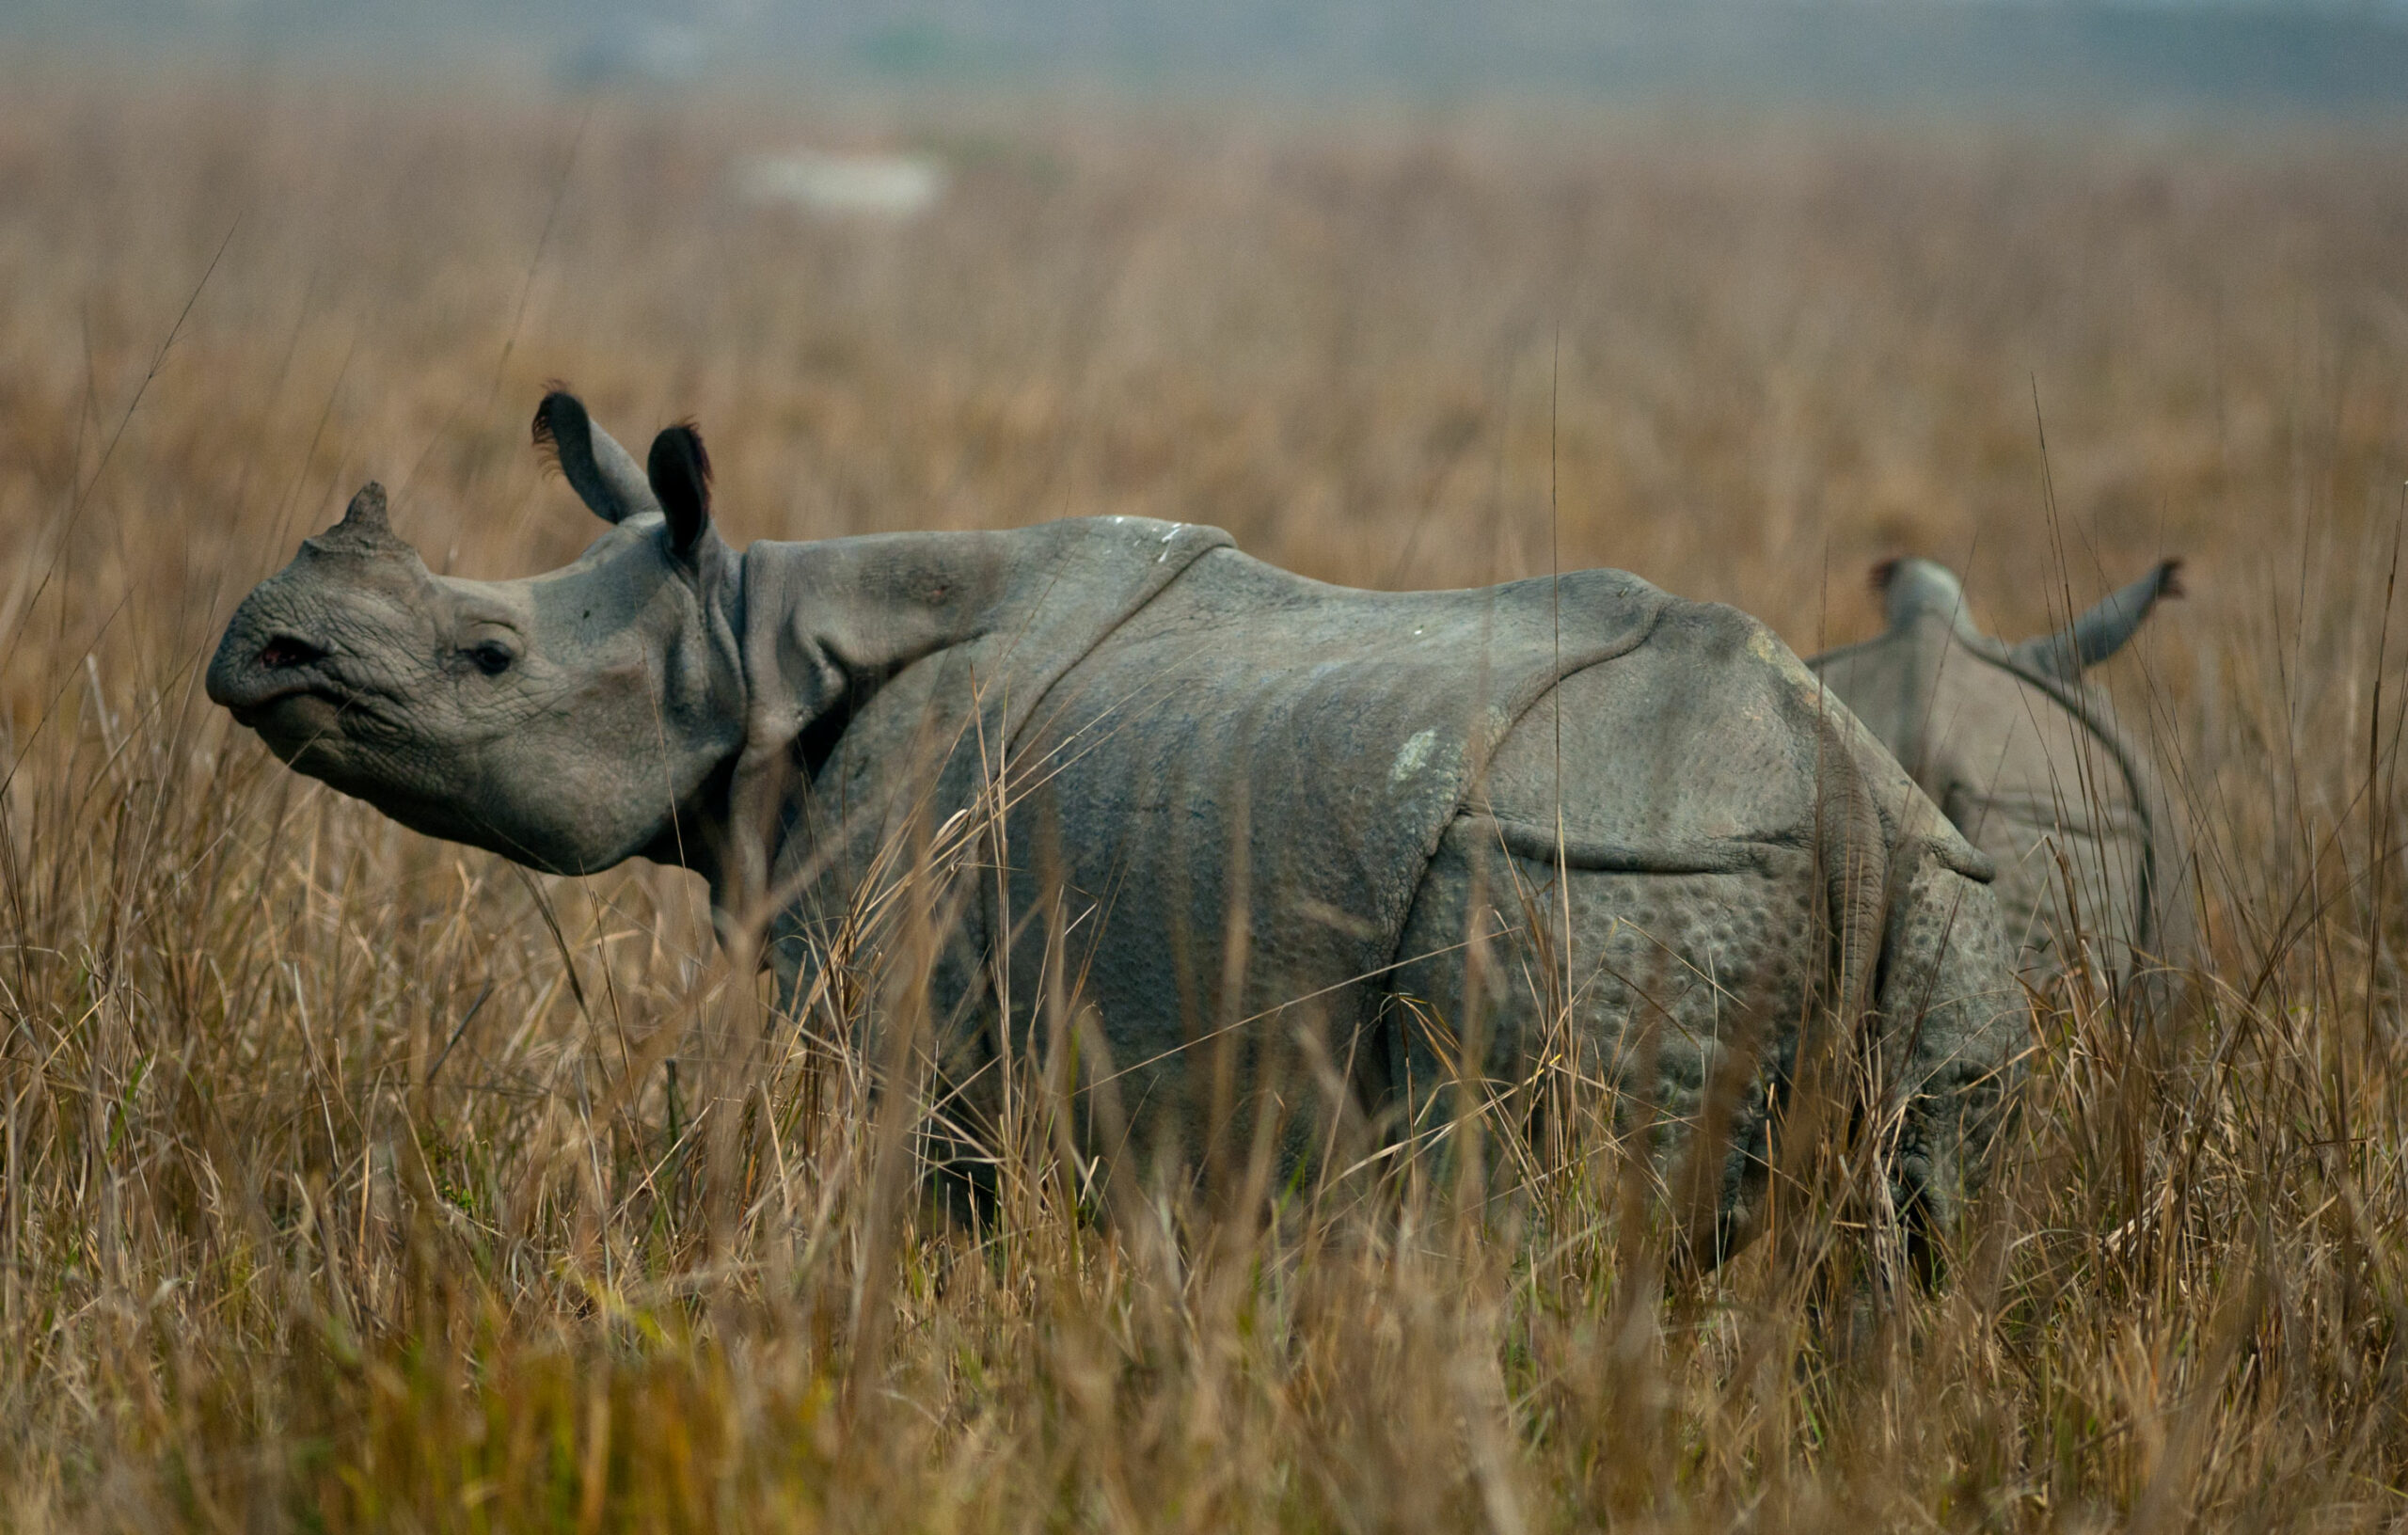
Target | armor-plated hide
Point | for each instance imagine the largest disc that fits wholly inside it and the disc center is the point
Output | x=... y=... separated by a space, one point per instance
x=1250 y=821
x=2027 y=758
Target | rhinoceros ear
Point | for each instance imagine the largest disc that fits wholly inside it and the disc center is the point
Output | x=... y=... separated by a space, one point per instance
x=603 y=474
x=1912 y=588
x=2102 y=631
x=680 y=472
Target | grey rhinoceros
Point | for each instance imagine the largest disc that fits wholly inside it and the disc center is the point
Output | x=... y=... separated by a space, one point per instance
x=2027 y=758
x=1214 y=802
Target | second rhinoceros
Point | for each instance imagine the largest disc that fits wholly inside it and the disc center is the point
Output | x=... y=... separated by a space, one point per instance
x=1215 y=803
x=2028 y=759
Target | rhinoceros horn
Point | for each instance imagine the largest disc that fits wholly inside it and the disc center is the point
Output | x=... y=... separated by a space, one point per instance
x=363 y=529
x=2102 y=631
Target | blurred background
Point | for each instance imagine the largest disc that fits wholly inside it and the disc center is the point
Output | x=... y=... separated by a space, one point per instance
x=1738 y=295
x=1741 y=296
x=2125 y=54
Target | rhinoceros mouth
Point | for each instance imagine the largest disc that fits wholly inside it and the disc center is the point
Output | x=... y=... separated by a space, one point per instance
x=274 y=684
x=251 y=680
x=279 y=706
x=302 y=703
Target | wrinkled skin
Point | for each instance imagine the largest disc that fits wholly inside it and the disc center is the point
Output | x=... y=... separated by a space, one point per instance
x=471 y=710
x=2027 y=758
x=1257 y=808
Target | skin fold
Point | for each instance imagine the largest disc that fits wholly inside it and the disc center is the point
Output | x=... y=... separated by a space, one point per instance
x=2028 y=760
x=1251 y=833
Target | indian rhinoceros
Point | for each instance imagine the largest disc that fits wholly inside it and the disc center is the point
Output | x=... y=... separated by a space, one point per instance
x=1215 y=803
x=2026 y=757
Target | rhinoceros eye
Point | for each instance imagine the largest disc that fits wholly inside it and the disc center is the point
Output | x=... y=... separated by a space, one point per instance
x=492 y=657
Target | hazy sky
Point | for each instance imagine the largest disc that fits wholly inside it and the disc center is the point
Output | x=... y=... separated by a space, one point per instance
x=2142 y=54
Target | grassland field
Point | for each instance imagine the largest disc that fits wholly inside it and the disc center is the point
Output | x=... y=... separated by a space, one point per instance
x=348 y=1183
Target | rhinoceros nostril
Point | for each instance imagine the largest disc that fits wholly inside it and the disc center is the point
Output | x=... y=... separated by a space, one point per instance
x=284 y=650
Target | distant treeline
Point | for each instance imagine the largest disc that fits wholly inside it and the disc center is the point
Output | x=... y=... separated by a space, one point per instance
x=1990 y=55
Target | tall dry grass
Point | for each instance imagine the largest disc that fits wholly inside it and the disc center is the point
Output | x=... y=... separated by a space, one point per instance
x=353 y=1180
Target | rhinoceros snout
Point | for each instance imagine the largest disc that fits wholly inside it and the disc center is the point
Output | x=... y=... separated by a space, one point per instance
x=257 y=664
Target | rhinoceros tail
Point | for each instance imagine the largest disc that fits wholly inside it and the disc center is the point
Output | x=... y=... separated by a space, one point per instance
x=2104 y=629
x=1924 y=985
x=1854 y=855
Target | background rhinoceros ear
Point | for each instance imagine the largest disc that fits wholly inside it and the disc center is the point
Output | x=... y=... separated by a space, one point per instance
x=1912 y=587
x=680 y=471
x=603 y=474
x=2102 y=631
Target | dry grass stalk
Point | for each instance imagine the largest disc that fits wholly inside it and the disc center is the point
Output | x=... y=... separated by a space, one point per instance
x=351 y=1180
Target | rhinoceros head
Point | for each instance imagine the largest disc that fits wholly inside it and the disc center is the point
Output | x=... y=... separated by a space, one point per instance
x=1915 y=589
x=564 y=720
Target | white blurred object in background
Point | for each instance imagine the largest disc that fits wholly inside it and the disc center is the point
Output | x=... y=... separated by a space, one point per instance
x=879 y=185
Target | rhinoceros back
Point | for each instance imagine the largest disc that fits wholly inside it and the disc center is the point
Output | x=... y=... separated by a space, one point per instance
x=2035 y=772
x=1249 y=805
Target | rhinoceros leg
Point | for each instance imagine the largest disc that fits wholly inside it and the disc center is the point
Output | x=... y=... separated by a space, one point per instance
x=1953 y=1028
x=1682 y=1008
x=1678 y=996
x=1739 y=865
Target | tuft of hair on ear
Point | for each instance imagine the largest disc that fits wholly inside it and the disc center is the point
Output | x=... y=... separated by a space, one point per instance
x=1886 y=572
x=548 y=442
x=679 y=467
x=690 y=433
